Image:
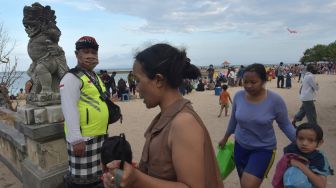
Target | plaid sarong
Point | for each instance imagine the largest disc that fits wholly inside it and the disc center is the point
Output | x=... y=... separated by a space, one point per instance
x=86 y=169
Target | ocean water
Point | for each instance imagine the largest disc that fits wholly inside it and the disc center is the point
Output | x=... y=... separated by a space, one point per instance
x=20 y=82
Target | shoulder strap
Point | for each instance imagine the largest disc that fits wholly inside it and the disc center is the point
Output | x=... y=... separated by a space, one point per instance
x=123 y=143
x=117 y=178
x=75 y=71
x=95 y=82
x=119 y=172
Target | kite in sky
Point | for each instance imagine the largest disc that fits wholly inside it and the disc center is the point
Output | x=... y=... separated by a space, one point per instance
x=291 y=30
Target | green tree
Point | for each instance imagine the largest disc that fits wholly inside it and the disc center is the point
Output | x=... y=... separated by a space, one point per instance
x=332 y=52
x=320 y=52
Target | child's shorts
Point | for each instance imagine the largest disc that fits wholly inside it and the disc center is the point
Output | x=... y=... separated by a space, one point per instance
x=256 y=162
x=227 y=105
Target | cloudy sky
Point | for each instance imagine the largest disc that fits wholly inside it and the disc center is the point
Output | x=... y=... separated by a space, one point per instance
x=212 y=31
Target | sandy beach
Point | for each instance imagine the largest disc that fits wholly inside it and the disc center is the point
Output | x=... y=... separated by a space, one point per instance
x=137 y=118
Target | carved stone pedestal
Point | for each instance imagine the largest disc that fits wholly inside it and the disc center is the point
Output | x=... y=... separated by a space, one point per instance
x=32 y=115
x=34 y=148
x=33 y=176
x=47 y=160
x=44 y=99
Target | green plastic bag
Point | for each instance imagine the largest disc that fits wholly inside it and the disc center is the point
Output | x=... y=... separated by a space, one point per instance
x=225 y=159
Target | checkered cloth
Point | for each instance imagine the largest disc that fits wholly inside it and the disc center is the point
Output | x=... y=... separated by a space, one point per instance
x=85 y=170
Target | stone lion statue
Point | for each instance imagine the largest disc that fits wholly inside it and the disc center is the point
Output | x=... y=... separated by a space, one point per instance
x=48 y=60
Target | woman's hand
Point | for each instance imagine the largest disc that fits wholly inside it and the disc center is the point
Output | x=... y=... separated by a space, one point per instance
x=223 y=141
x=128 y=177
x=108 y=180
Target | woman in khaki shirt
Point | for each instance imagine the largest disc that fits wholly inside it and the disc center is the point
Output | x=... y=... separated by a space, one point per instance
x=178 y=152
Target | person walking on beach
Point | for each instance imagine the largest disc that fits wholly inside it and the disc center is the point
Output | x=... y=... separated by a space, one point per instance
x=131 y=82
x=330 y=66
x=224 y=99
x=302 y=69
x=240 y=74
x=178 y=151
x=113 y=83
x=86 y=116
x=253 y=111
x=308 y=90
x=211 y=72
x=280 y=73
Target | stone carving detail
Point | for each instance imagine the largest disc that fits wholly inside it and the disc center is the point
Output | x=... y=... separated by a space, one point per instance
x=48 y=60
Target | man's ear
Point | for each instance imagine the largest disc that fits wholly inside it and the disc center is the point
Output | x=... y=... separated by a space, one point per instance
x=76 y=52
x=159 y=80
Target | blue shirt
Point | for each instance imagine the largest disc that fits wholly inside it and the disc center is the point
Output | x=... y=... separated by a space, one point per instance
x=252 y=123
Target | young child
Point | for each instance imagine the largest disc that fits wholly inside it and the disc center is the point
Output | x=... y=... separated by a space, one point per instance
x=224 y=99
x=312 y=163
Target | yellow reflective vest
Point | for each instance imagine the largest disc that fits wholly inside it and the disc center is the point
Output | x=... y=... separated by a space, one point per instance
x=93 y=111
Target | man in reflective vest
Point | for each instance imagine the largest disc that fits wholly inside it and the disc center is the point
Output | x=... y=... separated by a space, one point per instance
x=85 y=114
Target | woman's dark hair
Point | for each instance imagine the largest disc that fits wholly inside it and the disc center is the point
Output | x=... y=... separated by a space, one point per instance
x=312 y=126
x=169 y=61
x=259 y=69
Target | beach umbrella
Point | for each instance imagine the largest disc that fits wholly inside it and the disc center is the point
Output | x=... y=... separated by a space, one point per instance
x=225 y=63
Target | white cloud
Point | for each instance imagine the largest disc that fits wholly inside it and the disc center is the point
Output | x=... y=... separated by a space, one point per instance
x=213 y=30
x=245 y=16
x=83 y=5
x=249 y=17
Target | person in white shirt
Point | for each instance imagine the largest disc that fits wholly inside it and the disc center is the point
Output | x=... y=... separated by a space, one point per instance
x=302 y=69
x=86 y=116
x=307 y=95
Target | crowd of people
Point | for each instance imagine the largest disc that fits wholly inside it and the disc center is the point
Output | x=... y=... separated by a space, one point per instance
x=283 y=73
x=162 y=74
x=117 y=89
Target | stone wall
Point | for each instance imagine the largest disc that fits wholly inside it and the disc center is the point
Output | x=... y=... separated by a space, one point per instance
x=32 y=145
x=12 y=142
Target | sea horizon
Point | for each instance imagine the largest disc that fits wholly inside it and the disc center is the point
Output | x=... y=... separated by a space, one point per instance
x=121 y=73
x=21 y=81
